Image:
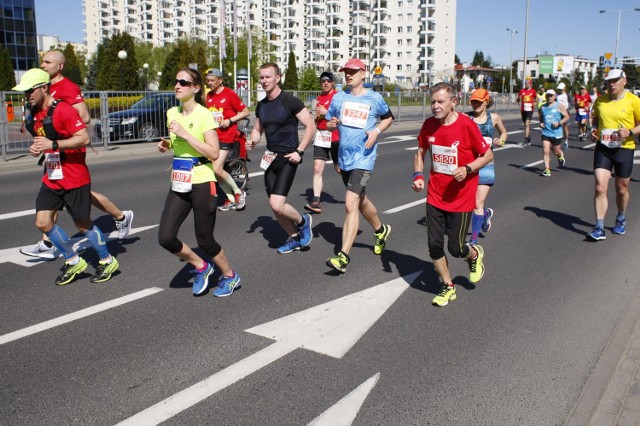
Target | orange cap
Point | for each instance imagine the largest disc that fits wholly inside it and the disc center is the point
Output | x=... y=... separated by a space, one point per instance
x=480 y=95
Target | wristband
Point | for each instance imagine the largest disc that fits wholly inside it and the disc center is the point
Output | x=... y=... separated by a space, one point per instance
x=54 y=145
x=502 y=142
x=230 y=121
x=379 y=131
x=418 y=176
x=300 y=153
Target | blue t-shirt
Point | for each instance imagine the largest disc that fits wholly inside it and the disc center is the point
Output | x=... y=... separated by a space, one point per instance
x=352 y=153
x=551 y=114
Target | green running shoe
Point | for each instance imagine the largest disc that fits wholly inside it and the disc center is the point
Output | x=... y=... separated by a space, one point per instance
x=381 y=239
x=104 y=271
x=476 y=267
x=69 y=272
x=446 y=294
x=339 y=263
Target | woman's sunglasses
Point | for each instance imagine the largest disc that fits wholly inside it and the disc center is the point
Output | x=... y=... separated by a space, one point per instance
x=183 y=82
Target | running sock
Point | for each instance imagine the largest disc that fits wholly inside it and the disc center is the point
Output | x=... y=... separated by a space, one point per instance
x=60 y=240
x=204 y=268
x=75 y=261
x=302 y=223
x=98 y=242
x=122 y=219
x=316 y=199
x=476 y=225
x=229 y=187
x=379 y=231
x=600 y=223
x=620 y=216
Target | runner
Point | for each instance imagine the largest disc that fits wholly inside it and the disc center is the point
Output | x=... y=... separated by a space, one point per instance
x=227 y=109
x=552 y=117
x=540 y=97
x=617 y=117
x=458 y=151
x=61 y=136
x=278 y=115
x=194 y=143
x=582 y=102
x=325 y=145
x=65 y=90
x=527 y=98
x=563 y=100
x=355 y=114
x=487 y=122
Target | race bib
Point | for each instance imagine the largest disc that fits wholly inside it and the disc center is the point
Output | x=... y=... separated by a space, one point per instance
x=444 y=159
x=610 y=138
x=528 y=107
x=53 y=165
x=323 y=139
x=181 y=175
x=218 y=118
x=267 y=159
x=488 y=140
x=354 y=114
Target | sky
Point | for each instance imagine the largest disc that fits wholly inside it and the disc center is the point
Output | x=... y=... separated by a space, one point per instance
x=573 y=27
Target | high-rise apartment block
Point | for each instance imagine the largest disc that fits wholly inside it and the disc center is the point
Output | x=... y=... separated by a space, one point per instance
x=18 y=33
x=411 y=41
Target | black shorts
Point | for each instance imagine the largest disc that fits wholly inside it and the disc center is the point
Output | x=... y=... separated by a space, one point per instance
x=452 y=224
x=356 y=180
x=226 y=146
x=618 y=159
x=526 y=115
x=278 y=178
x=554 y=141
x=326 y=154
x=77 y=201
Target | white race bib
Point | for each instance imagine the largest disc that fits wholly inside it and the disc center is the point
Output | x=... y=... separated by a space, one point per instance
x=53 y=165
x=610 y=138
x=323 y=139
x=528 y=107
x=582 y=111
x=444 y=159
x=181 y=175
x=267 y=159
x=354 y=114
x=218 y=118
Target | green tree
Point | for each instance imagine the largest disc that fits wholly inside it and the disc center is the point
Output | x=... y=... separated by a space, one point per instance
x=478 y=58
x=114 y=73
x=456 y=59
x=633 y=76
x=100 y=77
x=183 y=53
x=309 y=80
x=7 y=75
x=291 y=74
x=71 y=65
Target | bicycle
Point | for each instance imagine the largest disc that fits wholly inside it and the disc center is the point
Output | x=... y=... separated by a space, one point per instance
x=236 y=162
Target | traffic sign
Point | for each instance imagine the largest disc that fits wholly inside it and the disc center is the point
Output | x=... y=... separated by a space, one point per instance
x=377 y=70
x=489 y=79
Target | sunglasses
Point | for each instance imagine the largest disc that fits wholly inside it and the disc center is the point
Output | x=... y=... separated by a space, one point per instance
x=184 y=83
x=33 y=89
x=326 y=80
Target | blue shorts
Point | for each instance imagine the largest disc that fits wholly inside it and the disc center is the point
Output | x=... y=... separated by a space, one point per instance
x=579 y=117
x=487 y=175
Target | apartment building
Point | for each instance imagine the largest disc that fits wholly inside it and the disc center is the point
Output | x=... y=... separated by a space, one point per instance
x=411 y=41
x=18 y=33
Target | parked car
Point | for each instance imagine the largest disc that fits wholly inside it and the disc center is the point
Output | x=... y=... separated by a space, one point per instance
x=146 y=119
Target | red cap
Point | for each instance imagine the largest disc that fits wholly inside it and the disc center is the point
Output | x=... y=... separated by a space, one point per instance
x=353 y=64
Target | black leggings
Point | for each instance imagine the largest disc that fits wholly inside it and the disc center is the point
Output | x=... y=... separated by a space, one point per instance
x=203 y=200
x=278 y=178
x=452 y=224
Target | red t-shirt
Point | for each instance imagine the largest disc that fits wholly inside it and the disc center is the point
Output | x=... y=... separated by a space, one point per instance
x=455 y=145
x=66 y=121
x=230 y=104
x=325 y=100
x=67 y=91
x=582 y=101
x=528 y=99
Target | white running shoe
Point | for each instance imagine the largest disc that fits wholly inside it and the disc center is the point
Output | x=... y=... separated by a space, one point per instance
x=124 y=226
x=40 y=250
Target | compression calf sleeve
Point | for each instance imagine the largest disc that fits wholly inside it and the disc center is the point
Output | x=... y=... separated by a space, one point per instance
x=60 y=240
x=98 y=241
x=476 y=225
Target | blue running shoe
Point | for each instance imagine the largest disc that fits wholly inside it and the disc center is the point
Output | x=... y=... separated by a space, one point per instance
x=486 y=224
x=597 y=234
x=305 y=231
x=201 y=283
x=226 y=285
x=620 y=227
x=289 y=246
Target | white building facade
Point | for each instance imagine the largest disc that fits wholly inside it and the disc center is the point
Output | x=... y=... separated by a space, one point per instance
x=558 y=66
x=412 y=41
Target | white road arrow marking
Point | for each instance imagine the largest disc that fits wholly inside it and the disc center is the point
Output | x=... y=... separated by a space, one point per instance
x=331 y=329
x=13 y=255
x=344 y=412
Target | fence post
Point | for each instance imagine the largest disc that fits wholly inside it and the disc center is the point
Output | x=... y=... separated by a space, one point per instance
x=104 y=118
x=3 y=126
x=399 y=102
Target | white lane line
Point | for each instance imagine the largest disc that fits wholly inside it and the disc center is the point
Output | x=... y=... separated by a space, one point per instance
x=532 y=164
x=254 y=174
x=17 y=214
x=405 y=206
x=19 y=334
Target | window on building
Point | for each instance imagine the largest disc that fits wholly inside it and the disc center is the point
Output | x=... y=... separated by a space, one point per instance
x=399 y=42
x=408 y=54
x=399 y=54
x=400 y=17
x=399 y=29
x=399 y=67
x=409 y=29
x=408 y=67
x=400 y=4
x=533 y=73
x=409 y=16
x=410 y=3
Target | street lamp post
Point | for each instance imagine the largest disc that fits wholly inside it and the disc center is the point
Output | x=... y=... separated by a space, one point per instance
x=123 y=56
x=159 y=78
x=513 y=33
x=146 y=70
x=619 y=11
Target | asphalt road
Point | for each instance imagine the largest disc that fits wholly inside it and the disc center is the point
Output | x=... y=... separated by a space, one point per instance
x=515 y=349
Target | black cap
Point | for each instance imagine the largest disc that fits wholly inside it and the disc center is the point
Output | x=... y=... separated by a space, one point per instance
x=327 y=74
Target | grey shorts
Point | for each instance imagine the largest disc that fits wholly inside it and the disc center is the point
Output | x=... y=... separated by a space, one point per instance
x=356 y=180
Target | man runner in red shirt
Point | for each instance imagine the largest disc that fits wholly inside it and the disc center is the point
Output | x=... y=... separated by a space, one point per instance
x=528 y=101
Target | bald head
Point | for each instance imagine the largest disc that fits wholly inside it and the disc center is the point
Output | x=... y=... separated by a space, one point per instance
x=53 y=63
